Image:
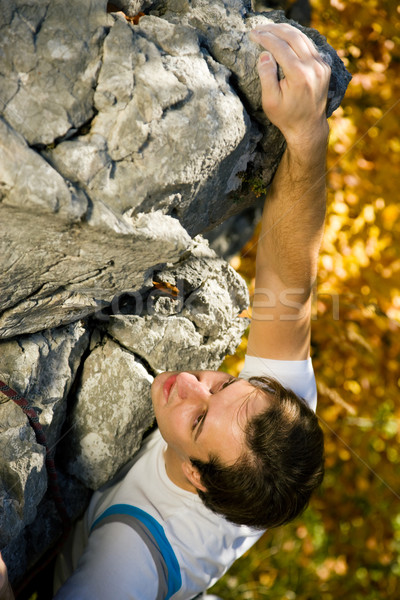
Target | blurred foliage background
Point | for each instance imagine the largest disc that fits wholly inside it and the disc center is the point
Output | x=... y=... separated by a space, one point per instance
x=347 y=544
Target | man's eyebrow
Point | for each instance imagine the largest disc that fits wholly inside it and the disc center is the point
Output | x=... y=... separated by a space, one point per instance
x=223 y=386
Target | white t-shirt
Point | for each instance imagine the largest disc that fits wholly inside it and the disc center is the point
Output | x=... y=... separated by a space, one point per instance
x=117 y=560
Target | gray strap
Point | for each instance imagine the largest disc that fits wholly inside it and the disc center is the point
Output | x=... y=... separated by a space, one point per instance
x=151 y=544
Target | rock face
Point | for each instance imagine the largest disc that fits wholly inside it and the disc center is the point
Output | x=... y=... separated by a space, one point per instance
x=48 y=54
x=120 y=142
x=112 y=404
x=23 y=477
x=78 y=270
x=42 y=367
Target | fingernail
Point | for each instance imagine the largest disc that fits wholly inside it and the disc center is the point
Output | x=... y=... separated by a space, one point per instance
x=265 y=57
x=261 y=32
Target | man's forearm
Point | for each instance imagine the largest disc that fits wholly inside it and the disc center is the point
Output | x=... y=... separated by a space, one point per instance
x=294 y=211
x=295 y=208
x=293 y=216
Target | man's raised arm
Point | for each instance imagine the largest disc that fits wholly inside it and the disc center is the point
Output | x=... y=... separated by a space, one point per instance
x=294 y=210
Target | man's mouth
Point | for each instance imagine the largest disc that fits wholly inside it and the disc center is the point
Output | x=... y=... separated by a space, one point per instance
x=168 y=385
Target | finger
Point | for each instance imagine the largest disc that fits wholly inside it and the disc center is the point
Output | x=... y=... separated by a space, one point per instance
x=294 y=67
x=297 y=41
x=268 y=73
x=280 y=49
x=286 y=34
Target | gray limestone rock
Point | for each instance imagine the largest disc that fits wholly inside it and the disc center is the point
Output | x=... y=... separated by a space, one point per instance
x=42 y=367
x=132 y=7
x=28 y=180
x=23 y=479
x=196 y=326
x=51 y=54
x=34 y=540
x=112 y=411
x=143 y=151
x=77 y=271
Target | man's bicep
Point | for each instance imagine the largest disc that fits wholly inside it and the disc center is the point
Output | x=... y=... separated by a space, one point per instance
x=281 y=319
x=116 y=564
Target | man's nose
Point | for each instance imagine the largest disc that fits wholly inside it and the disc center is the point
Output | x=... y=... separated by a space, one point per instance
x=190 y=388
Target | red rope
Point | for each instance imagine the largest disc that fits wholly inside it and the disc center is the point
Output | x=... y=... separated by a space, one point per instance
x=41 y=439
x=33 y=418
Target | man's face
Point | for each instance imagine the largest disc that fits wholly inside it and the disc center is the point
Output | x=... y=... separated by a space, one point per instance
x=203 y=412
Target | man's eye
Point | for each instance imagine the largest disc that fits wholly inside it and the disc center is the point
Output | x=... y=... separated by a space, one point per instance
x=226 y=383
x=198 y=421
x=222 y=386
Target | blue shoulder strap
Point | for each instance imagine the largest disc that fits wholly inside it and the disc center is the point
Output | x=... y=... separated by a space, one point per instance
x=154 y=537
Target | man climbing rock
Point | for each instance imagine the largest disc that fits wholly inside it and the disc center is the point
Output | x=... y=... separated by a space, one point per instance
x=231 y=456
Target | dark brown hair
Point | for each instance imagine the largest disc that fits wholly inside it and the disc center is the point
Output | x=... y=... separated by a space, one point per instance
x=271 y=483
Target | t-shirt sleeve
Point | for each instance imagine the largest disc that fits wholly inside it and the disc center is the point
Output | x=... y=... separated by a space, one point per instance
x=296 y=375
x=115 y=564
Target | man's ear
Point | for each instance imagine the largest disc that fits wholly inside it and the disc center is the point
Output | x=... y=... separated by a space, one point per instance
x=193 y=476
